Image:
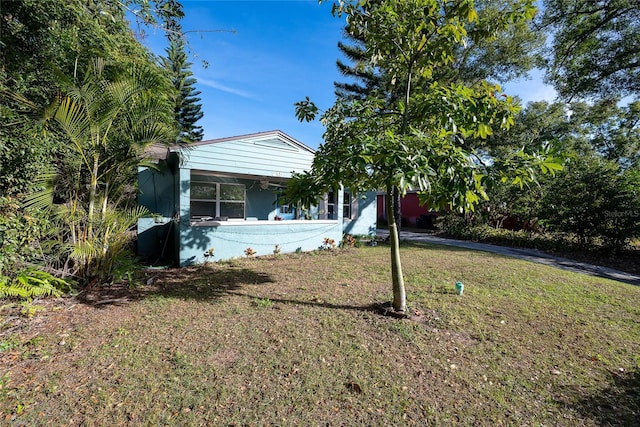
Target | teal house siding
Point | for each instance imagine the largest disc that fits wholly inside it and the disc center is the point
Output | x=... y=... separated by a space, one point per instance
x=365 y=207
x=273 y=155
x=156 y=192
x=231 y=240
x=222 y=196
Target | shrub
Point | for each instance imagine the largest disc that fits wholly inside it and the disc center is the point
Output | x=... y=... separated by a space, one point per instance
x=597 y=202
x=348 y=241
x=99 y=251
x=21 y=236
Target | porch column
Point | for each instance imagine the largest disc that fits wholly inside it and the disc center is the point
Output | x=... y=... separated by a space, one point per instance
x=340 y=207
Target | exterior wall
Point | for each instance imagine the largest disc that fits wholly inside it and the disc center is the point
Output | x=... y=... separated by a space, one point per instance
x=183 y=178
x=382 y=208
x=229 y=239
x=410 y=209
x=365 y=221
x=156 y=234
x=259 y=203
x=155 y=190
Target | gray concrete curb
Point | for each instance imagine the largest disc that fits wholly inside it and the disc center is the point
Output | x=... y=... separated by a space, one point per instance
x=532 y=255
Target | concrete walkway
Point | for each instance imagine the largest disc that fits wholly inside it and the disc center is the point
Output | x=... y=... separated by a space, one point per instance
x=532 y=255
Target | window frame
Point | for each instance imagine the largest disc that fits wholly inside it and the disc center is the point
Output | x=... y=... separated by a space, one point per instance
x=332 y=201
x=347 y=199
x=332 y=204
x=218 y=201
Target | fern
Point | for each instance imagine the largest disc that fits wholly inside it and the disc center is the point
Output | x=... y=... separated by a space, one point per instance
x=32 y=283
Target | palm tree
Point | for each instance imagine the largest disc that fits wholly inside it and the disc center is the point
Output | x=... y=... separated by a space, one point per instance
x=109 y=117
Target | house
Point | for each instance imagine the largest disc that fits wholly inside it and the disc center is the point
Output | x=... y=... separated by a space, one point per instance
x=224 y=194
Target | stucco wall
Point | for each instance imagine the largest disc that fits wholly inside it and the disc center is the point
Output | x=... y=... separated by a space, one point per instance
x=365 y=223
x=231 y=240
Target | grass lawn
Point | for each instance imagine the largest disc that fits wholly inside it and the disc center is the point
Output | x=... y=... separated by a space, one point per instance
x=299 y=340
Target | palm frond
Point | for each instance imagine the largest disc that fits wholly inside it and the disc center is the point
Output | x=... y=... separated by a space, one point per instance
x=32 y=283
x=42 y=199
x=72 y=117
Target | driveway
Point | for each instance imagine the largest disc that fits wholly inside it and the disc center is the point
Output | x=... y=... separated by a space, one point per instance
x=532 y=255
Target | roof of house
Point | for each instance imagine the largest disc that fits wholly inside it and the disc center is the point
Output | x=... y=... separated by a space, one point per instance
x=158 y=151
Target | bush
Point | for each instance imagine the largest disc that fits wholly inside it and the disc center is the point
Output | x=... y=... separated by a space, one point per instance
x=517 y=238
x=597 y=202
x=21 y=236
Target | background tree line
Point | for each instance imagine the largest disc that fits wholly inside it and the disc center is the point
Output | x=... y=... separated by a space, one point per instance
x=591 y=59
x=592 y=62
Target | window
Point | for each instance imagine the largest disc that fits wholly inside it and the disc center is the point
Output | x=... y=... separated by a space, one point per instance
x=210 y=199
x=285 y=209
x=332 y=201
x=331 y=204
x=346 y=205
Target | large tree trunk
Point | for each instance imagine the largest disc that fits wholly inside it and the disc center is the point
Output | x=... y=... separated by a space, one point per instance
x=399 y=295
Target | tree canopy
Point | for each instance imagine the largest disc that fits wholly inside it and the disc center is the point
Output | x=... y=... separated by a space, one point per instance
x=417 y=139
x=594 y=51
x=187 y=107
x=90 y=139
x=594 y=201
x=40 y=44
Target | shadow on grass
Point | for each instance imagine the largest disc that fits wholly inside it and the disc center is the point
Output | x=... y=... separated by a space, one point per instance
x=617 y=404
x=405 y=244
x=375 y=307
x=379 y=308
x=192 y=283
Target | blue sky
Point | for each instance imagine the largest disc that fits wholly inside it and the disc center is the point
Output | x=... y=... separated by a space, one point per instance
x=279 y=52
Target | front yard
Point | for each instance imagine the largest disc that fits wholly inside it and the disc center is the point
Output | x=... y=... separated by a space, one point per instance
x=299 y=340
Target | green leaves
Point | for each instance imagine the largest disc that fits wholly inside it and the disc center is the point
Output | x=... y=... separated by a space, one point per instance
x=306 y=110
x=595 y=47
x=109 y=118
x=32 y=283
x=523 y=166
x=413 y=129
x=185 y=98
x=304 y=189
x=417 y=132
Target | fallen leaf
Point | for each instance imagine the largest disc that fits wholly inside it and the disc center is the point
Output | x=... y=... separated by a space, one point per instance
x=354 y=387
